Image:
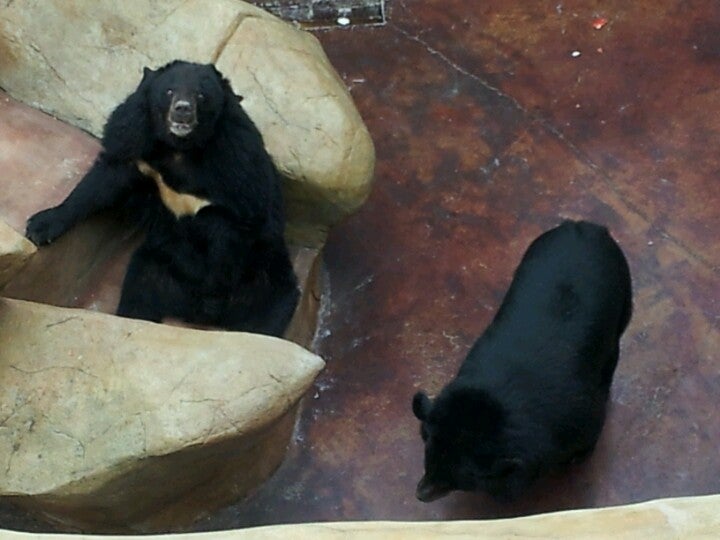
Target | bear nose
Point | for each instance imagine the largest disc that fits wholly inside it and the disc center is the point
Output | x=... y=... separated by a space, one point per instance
x=182 y=107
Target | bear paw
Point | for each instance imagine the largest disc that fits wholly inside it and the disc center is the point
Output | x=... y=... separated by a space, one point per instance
x=45 y=226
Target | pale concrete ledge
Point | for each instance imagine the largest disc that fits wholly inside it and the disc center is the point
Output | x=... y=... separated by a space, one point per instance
x=117 y=424
x=663 y=519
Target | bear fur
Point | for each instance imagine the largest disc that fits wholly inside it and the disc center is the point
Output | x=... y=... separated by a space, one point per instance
x=532 y=392
x=184 y=158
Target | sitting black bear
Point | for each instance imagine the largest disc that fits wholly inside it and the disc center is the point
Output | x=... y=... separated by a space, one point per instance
x=183 y=155
x=531 y=393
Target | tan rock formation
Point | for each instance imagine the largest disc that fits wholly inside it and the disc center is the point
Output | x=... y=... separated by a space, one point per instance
x=110 y=423
x=15 y=250
x=77 y=59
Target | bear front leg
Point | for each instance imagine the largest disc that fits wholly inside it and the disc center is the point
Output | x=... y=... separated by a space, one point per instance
x=99 y=189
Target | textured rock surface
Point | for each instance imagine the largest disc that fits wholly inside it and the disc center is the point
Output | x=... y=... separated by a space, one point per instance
x=78 y=59
x=664 y=519
x=42 y=160
x=113 y=423
x=15 y=250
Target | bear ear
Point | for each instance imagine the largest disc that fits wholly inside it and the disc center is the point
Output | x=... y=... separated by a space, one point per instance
x=147 y=73
x=217 y=72
x=421 y=406
x=223 y=80
x=148 y=77
x=225 y=83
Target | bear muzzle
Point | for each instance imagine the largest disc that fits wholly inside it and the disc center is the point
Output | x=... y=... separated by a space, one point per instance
x=182 y=117
x=429 y=490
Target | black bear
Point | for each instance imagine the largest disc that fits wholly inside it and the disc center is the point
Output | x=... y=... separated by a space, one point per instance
x=181 y=153
x=531 y=393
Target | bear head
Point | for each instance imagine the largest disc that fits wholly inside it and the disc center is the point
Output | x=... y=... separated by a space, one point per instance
x=186 y=101
x=465 y=436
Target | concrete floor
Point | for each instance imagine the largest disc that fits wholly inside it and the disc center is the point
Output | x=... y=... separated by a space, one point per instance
x=489 y=130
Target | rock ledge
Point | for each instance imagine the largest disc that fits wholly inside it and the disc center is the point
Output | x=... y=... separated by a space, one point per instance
x=111 y=423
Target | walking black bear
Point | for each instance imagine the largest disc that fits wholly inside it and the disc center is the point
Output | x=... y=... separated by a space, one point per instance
x=531 y=393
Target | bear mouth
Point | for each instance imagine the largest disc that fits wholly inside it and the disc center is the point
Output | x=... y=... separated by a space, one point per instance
x=181 y=129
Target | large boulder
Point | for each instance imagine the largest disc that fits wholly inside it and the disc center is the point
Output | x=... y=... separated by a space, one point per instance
x=15 y=251
x=77 y=59
x=117 y=424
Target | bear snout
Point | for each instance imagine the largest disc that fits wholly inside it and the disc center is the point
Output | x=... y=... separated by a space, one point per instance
x=429 y=490
x=182 y=117
x=182 y=110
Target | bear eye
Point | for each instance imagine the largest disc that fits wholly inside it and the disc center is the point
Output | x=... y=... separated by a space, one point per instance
x=169 y=92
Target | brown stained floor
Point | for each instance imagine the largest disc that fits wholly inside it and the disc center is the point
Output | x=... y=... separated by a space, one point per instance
x=488 y=131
